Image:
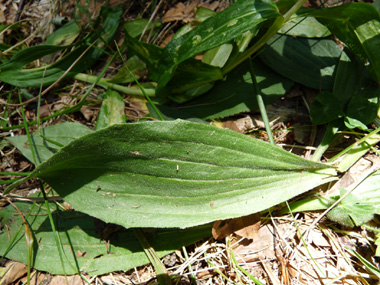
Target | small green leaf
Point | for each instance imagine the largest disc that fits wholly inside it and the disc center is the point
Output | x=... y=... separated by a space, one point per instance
x=325 y=108
x=65 y=35
x=136 y=27
x=112 y=110
x=352 y=123
x=135 y=65
x=306 y=61
x=149 y=53
x=362 y=109
x=189 y=75
x=175 y=174
x=350 y=212
x=81 y=237
x=203 y=13
x=62 y=133
x=360 y=205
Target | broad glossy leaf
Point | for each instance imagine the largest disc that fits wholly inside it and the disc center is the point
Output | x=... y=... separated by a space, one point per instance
x=236 y=94
x=307 y=61
x=81 y=237
x=62 y=134
x=175 y=174
x=229 y=24
x=361 y=204
x=112 y=110
x=12 y=72
x=358 y=26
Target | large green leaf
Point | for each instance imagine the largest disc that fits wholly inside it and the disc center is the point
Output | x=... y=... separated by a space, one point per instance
x=81 y=237
x=175 y=174
x=12 y=72
x=229 y=24
x=43 y=149
x=236 y=94
x=307 y=61
x=358 y=26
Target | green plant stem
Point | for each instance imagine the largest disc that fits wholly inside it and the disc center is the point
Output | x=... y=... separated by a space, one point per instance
x=363 y=139
x=257 y=282
x=69 y=110
x=27 y=130
x=260 y=103
x=278 y=23
x=192 y=277
x=104 y=83
x=52 y=224
x=162 y=274
x=147 y=96
x=15 y=173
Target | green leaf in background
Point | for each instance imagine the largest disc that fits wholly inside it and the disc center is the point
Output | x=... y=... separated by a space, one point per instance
x=189 y=75
x=358 y=26
x=81 y=237
x=360 y=205
x=62 y=133
x=363 y=109
x=350 y=78
x=175 y=174
x=218 y=56
x=112 y=110
x=136 y=27
x=12 y=72
x=307 y=61
x=229 y=24
x=149 y=53
x=325 y=108
x=376 y=4
x=236 y=94
x=307 y=27
x=203 y=13
x=65 y=35
x=135 y=65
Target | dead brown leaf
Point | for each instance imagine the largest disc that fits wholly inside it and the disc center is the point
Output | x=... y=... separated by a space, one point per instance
x=13 y=272
x=247 y=227
x=181 y=12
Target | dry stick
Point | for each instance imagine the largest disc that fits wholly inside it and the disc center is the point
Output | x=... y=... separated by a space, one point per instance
x=55 y=83
x=150 y=19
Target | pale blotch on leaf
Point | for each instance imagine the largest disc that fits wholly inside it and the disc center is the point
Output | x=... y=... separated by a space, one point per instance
x=197 y=39
x=232 y=23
